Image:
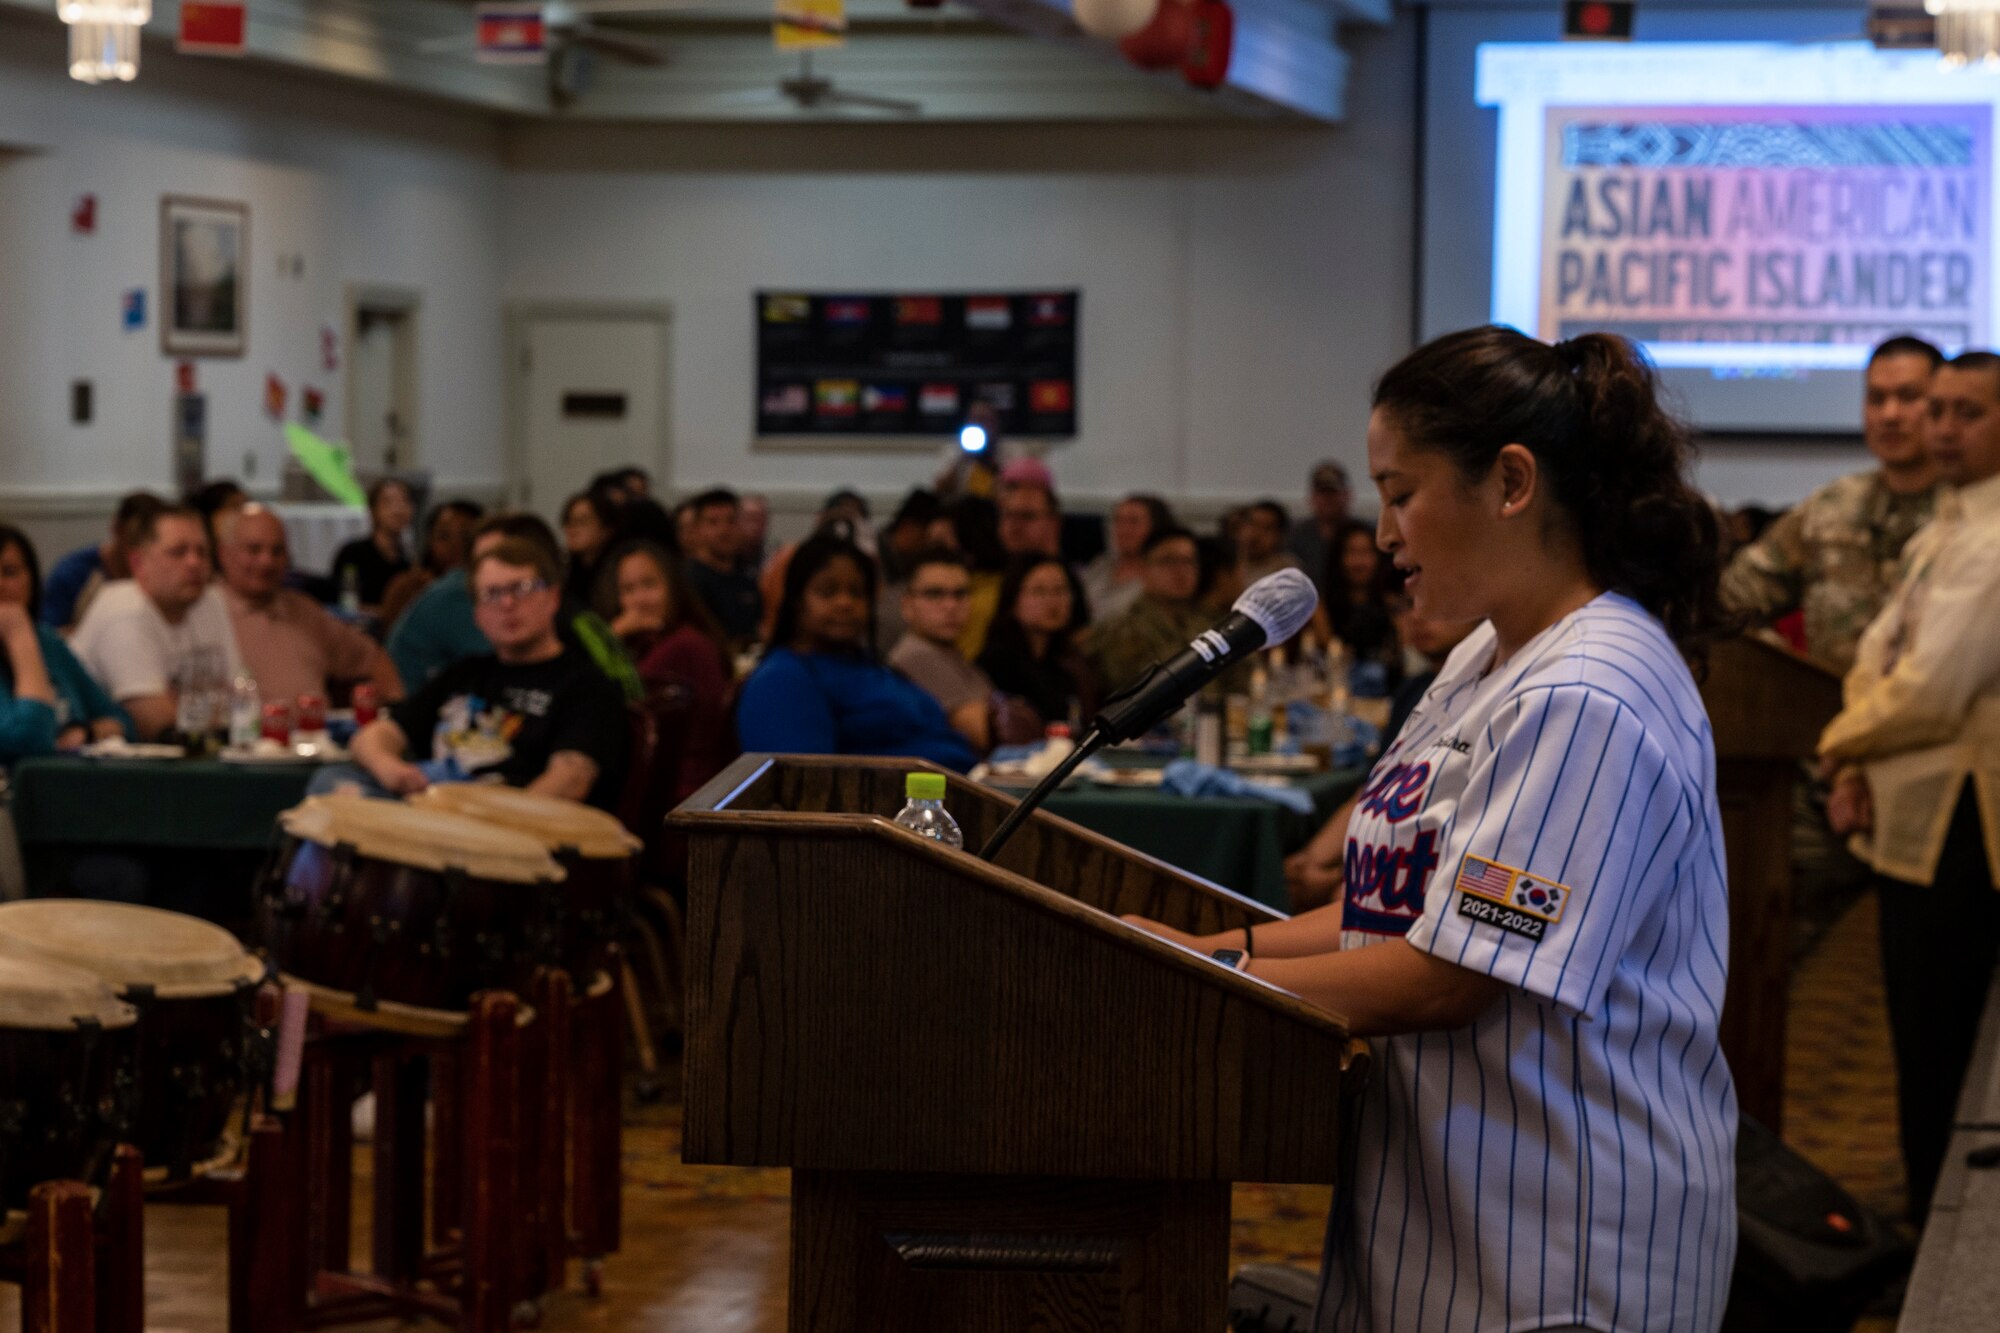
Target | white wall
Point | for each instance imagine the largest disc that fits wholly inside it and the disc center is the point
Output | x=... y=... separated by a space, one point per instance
x=1241 y=285
x=367 y=188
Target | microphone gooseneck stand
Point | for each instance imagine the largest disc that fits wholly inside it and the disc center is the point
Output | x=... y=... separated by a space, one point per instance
x=1093 y=740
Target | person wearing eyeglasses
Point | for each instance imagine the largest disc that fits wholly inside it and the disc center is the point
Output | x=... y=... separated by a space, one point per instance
x=935 y=606
x=537 y=712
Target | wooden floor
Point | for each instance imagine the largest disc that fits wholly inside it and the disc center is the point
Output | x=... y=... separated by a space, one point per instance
x=706 y=1249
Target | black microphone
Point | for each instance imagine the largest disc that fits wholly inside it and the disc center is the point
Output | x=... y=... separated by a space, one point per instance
x=1270 y=611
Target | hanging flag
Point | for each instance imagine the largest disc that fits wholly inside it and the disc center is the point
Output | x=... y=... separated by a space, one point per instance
x=135 y=309
x=809 y=25
x=1050 y=396
x=211 y=28
x=836 y=398
x=919 y=310
x=787 y=309
x=885 y=398
x=938 y=400
x=1048 y=311
x=511 y=34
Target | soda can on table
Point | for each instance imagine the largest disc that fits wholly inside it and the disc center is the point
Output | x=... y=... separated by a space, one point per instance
x=312 y=713
x=278 y=722
x=367 y=704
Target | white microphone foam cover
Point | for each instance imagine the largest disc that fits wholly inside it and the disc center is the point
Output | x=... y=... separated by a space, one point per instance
x=1280 y=603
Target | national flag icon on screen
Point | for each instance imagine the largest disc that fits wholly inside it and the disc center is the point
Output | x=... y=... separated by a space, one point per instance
x=1050 y=396
x=996 y=394
x=919 y=310
x=786 y=400
x=990 y=314
x=787 y=309
x=1048 y=311
x=837 y=398
x=938 y=400
x=885 y=398
x=847 y=311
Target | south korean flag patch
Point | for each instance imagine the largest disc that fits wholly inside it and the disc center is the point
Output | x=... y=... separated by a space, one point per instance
x=1509 y=898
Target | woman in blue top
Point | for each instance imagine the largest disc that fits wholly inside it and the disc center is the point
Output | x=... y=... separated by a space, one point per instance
x=48 y=702
x=819 y=690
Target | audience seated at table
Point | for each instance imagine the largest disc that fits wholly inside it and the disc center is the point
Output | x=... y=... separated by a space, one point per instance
x=1256 y=537
x=1030 y=650
x=819 y=688
x=622 y=485
x=590 y=522
x=75 y=578
x=447 y=544
x=713 y=536
x=1165 y=619
x=1114 y=581
x=291 y=645
x=164 y=630
x=535 y=711
x=681 y=653
x=970 y=525
x=374 y=561
x=48 y=702
x=1030 y=514
x=754 y=521
x=212 y=498
x=936 y=600
x=646 y=520
x=1361 y=582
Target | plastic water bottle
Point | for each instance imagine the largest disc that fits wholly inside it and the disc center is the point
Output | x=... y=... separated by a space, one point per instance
x=246 y=712
x=925 y=814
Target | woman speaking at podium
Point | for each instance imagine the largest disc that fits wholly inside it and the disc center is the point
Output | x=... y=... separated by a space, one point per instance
x=1534 y=924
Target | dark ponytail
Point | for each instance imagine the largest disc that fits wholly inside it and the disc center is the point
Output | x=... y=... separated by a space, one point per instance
x=1616 y=461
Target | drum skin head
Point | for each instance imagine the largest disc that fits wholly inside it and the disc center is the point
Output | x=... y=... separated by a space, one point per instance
x=50 y=997
x=179 y=956
x=559 y=824
x=426 y=839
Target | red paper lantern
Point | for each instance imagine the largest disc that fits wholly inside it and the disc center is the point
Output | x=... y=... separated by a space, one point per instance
x=1207 y=61
x=1165 y=42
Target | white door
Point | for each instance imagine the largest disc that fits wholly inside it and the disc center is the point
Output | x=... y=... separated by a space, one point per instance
x=592 y=401
x=381 y=379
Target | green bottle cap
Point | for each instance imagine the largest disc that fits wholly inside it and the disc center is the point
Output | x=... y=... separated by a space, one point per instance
x=924 y=786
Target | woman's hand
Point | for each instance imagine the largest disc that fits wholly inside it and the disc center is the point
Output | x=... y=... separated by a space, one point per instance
x=104 y=728
x=629 y=623
x=1199 y=943
x=404 y=779
x=71 y=737
x=1851 y=806
x=15 y=622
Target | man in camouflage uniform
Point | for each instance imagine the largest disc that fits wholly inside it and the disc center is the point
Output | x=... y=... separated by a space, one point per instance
x=1164 y=620
x=1837 y=555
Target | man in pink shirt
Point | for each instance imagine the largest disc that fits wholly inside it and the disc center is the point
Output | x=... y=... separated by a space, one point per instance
x=291 y=645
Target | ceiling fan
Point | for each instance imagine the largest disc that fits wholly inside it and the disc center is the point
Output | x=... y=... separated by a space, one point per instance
x=811 y=92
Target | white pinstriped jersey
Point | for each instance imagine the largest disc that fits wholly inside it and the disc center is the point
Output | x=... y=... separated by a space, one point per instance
x=1569 y=1158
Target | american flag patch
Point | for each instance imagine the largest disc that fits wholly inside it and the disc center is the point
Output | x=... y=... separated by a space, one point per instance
x=1538 y=897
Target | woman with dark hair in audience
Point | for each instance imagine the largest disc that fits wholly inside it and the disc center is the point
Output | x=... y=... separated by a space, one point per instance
x=589 y=523
x=379 y=557
x=820 y=688
x=447 y=543
x=1361 y=582
x=680 y=651
x=646 y=520
x=1030 y=650
x=48 y=702
x=1115 y=579
x=970 y=525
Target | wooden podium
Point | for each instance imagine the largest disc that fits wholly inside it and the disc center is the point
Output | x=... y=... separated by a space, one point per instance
x=1004 y=1109
x=1767 y=706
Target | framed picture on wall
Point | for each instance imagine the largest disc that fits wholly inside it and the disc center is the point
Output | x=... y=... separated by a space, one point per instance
x=204 y=270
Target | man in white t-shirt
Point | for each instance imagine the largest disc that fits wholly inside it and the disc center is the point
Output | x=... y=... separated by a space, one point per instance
x=150 y=637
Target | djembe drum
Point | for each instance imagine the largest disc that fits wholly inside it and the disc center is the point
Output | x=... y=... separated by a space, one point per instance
x=68 y=1075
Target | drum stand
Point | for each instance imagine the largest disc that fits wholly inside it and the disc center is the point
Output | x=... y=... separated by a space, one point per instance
x=472 y=1283
x=80 y=1258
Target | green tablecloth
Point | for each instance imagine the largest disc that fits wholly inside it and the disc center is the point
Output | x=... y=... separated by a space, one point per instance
x=182 y=803
x=1239 y=843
